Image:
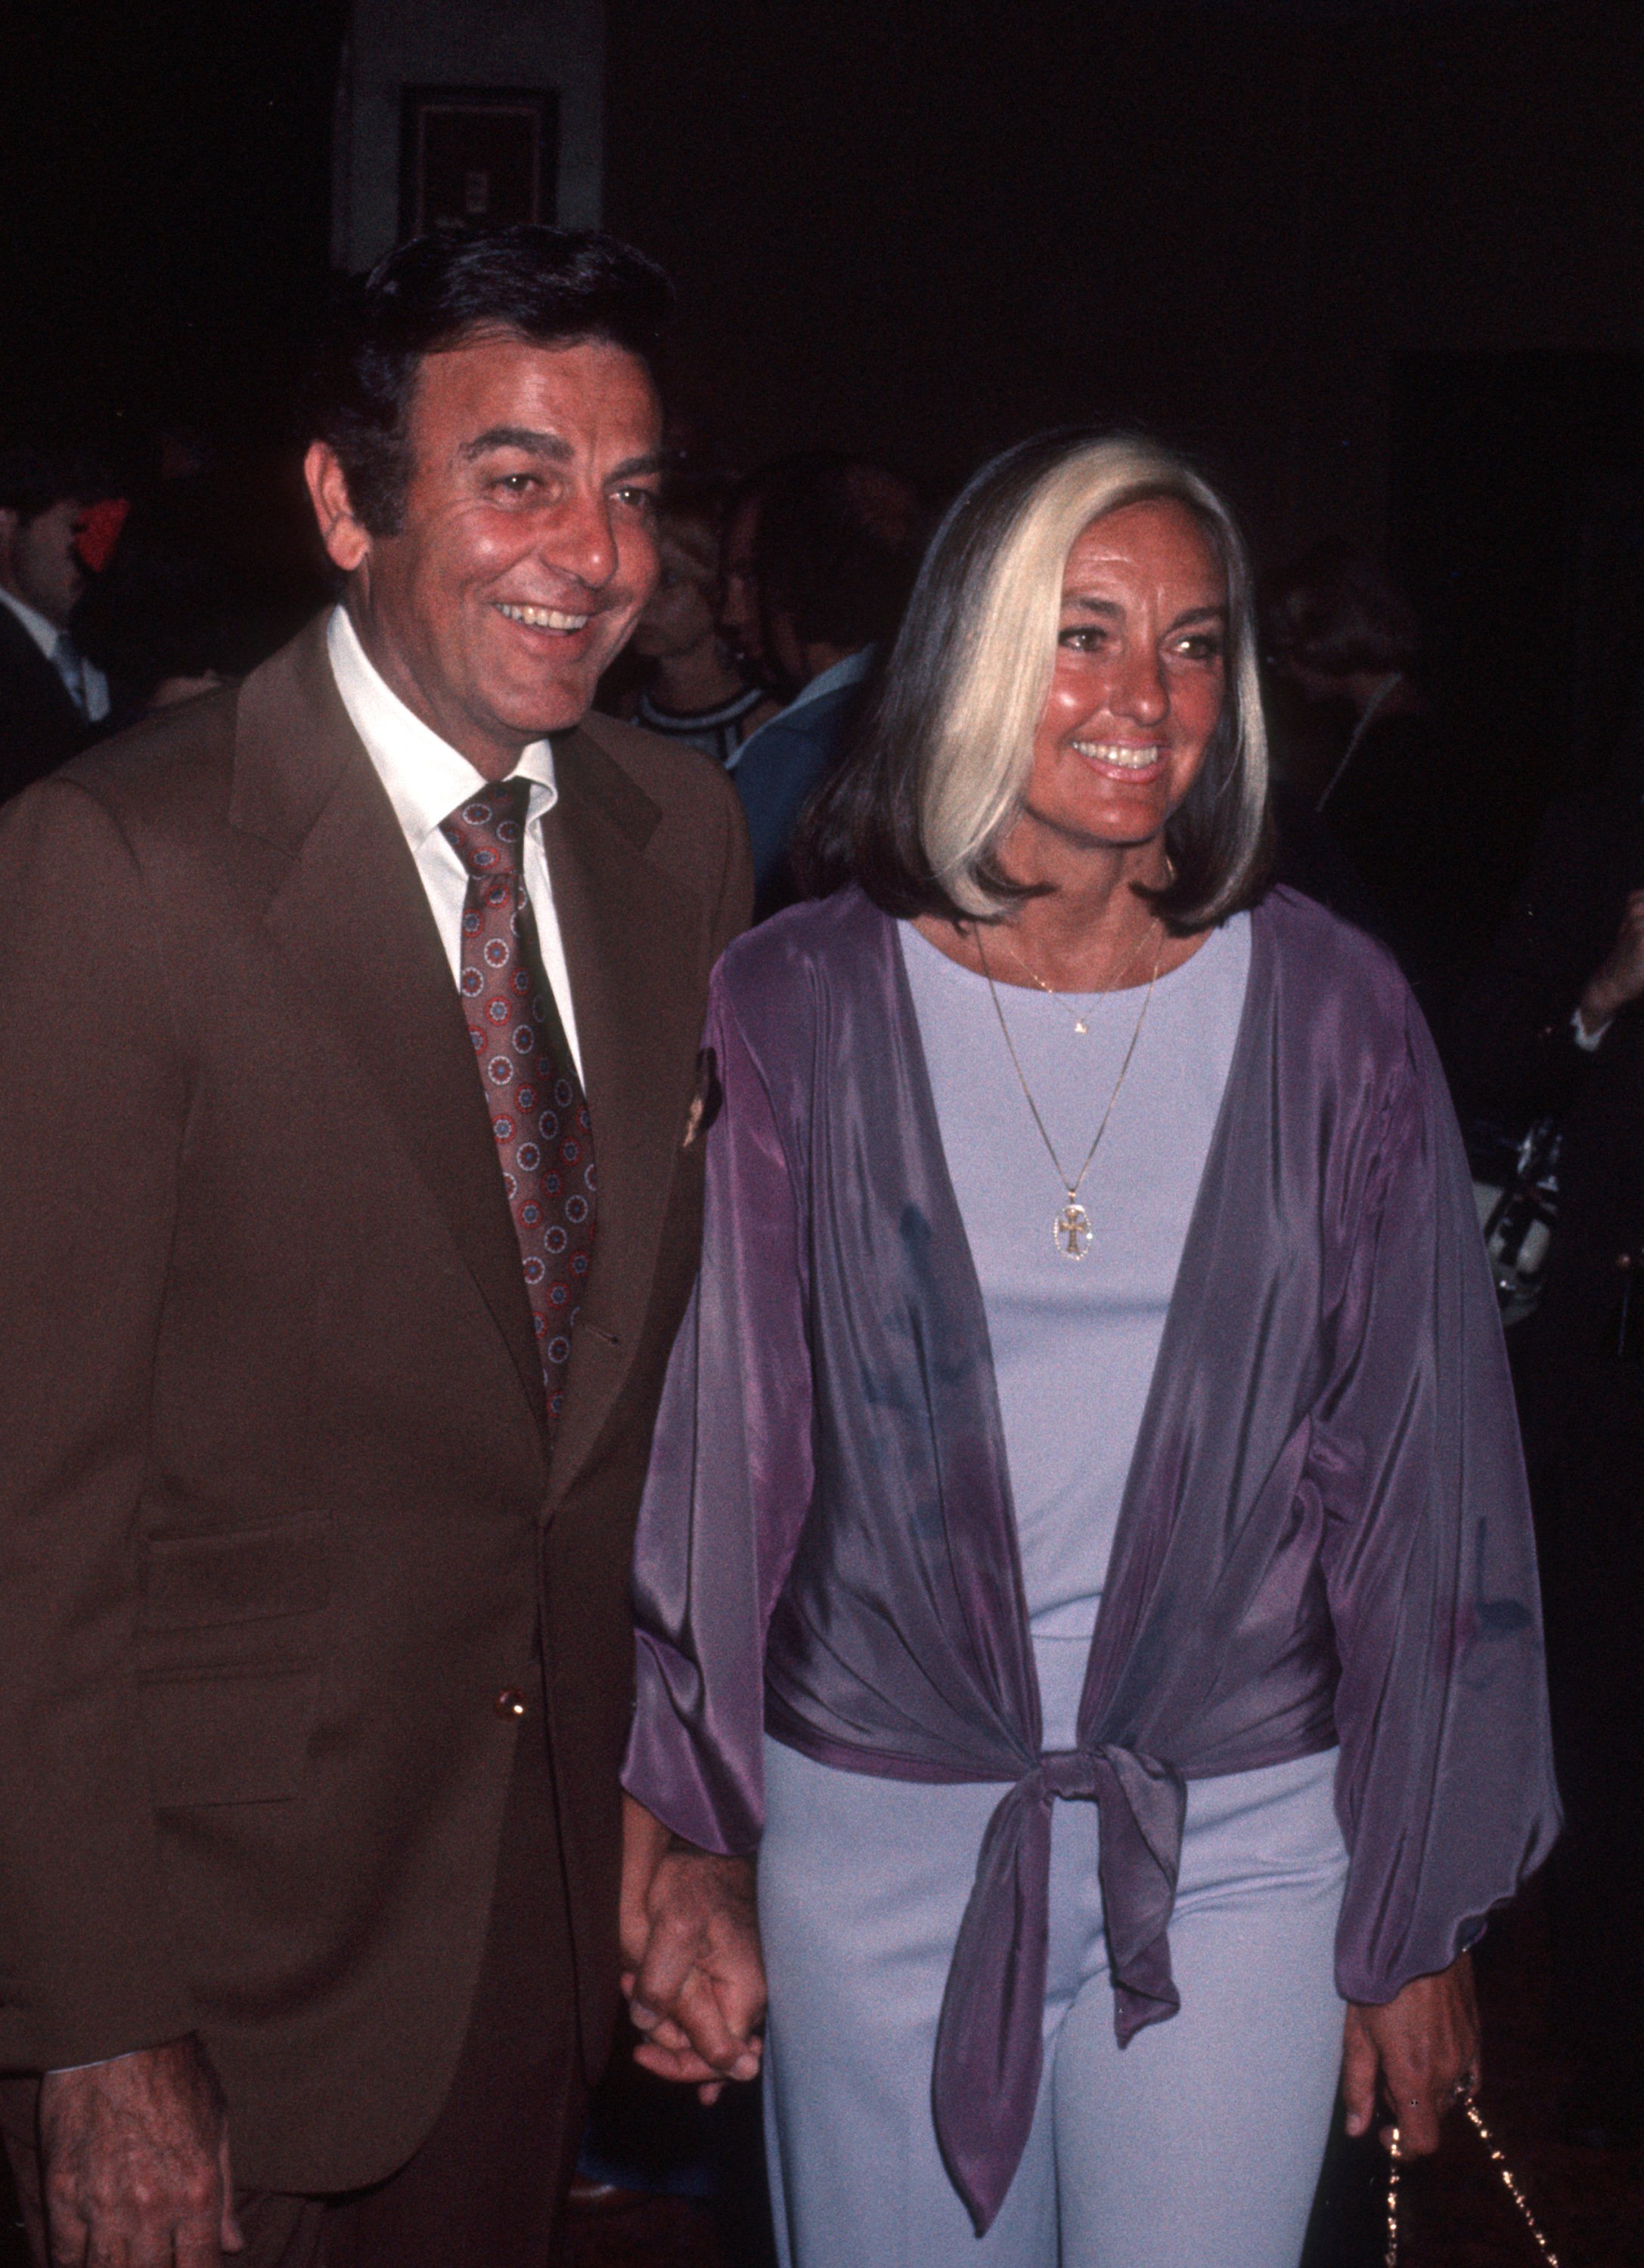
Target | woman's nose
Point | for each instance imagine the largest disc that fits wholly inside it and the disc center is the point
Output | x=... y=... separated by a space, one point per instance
x=1141 y=691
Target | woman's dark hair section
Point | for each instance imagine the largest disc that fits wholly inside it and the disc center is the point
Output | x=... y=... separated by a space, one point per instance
x=552 y=286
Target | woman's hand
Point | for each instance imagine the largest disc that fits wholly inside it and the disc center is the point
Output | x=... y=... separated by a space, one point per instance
x=1422 y=2047
x=691 y=1964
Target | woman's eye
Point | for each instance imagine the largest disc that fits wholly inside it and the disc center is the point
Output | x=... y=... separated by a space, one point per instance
x=517 y=484
x=1203 y=645
x=1082 y=639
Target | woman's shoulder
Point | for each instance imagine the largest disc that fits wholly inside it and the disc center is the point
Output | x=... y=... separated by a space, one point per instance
x=1332 y=980
x=1323 y=951
x=822 y=942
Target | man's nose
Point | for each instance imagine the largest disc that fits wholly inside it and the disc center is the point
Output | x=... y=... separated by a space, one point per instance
x=583 y=541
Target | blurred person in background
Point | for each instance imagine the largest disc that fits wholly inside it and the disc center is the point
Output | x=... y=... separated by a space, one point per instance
x=693 y=690
x=1551 y=1022
x=54 y=702
x=1364 y=795
x=739 y=578
x=185 y=603
x=834 y=551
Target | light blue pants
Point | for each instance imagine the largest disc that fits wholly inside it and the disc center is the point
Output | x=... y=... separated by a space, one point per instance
x=1197 y=2147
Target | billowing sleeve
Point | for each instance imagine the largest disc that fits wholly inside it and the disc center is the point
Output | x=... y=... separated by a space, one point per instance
x=730 y=1479
x=1445 y=1786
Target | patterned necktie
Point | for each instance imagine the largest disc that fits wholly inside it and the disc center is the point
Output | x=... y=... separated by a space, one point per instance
x=538 y=1114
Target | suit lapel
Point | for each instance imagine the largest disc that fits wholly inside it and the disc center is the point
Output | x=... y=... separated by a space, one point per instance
x=635 y=944
x=351 y=920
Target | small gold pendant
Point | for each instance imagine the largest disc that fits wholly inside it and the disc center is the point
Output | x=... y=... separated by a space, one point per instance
x=1081 y=1027
x=1072 y=1231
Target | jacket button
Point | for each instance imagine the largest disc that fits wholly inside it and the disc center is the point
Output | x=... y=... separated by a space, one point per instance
x=510 y=1703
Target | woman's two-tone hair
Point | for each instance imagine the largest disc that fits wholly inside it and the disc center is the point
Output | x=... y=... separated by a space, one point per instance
x=919 y=809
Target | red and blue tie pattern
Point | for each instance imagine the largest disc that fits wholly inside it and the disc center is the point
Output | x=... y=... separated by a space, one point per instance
x=539 y=1113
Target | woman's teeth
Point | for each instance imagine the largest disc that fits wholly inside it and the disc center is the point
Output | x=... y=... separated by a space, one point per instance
x=545 y=618
x=1112 y=751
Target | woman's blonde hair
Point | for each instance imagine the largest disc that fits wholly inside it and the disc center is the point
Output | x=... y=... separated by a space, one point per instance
x=936 y=781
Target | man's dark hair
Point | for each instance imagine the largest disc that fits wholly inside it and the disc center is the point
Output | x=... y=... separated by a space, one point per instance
x=835 y=549
x=553 y=286
x=34 y=478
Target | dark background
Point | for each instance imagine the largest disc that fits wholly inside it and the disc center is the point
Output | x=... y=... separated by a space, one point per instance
x=1378 y=264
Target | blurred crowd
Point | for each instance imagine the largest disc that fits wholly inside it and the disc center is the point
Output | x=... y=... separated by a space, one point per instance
x=123 y=592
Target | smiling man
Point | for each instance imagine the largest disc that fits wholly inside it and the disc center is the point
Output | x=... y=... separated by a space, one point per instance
x=351 y=1196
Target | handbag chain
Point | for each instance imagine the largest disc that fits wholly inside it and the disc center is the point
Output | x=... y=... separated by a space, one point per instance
x=1394 y=2159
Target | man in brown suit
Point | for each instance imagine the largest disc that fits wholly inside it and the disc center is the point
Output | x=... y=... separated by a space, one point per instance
x=327 y=1360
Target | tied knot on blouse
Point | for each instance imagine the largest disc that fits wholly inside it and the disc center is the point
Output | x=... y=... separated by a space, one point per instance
x=990 y=2045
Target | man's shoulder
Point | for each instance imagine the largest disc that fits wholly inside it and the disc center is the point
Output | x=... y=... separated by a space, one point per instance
x=671 y=772
x=680 y=799
x=173 y=770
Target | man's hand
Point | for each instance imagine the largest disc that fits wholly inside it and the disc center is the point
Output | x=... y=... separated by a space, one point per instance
x=1423 y=2046
x=1618 y=980
x=692 y=1969
x=134 y=2162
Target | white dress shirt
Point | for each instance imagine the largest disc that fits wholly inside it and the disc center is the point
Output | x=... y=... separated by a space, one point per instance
x=85 y=685
x=426 y=780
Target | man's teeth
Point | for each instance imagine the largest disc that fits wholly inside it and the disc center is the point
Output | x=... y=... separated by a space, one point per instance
x=545 y=618
x=1112 y=751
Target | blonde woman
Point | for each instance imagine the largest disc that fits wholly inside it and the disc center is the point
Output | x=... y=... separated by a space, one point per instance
x=1085 y=1566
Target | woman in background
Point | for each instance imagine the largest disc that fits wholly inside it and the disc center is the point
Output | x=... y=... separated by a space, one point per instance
x=692 y=690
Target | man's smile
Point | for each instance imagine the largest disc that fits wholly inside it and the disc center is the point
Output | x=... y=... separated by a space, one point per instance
x=542 y=618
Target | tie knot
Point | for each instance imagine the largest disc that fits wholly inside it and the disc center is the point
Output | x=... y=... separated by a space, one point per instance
x=486 y=831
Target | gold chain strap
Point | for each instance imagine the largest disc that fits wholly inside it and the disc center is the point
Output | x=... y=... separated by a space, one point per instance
x=1396 y=2158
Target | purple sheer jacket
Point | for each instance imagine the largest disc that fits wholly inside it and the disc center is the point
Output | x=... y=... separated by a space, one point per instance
x=1324 y=1538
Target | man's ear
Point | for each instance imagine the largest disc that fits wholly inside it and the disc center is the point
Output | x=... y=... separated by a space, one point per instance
x=346 y=542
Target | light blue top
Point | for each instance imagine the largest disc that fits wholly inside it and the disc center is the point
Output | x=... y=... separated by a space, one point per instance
x=1074 y=1342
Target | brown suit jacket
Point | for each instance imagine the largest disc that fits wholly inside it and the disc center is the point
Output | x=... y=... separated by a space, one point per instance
x=278 y=1514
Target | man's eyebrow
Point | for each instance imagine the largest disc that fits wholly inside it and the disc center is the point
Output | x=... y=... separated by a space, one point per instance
x=640 y=469
x=524 y=438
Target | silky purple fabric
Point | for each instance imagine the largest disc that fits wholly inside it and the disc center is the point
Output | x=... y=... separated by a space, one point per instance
x=1324 y=1536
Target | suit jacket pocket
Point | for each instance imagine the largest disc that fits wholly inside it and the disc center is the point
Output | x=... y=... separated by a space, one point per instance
x=238 y=1738
x=204 y=1580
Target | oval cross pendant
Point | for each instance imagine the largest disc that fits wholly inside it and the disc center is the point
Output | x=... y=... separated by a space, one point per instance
x=1071 y=1230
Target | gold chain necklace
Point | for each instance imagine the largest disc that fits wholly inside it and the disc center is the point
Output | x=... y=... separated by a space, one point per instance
x=1071 y=1229
x=1080 y=1025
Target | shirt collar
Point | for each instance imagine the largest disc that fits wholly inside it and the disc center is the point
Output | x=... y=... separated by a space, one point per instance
x=850 y=671
x=45 y=634
x=425 y=778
